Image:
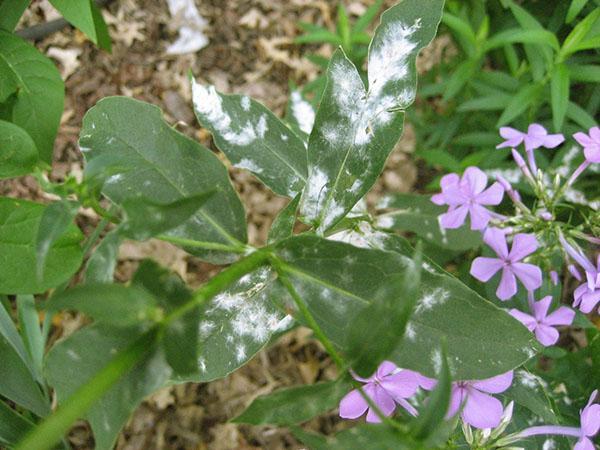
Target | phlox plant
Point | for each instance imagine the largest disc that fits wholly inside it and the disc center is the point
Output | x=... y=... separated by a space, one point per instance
x=417 y=349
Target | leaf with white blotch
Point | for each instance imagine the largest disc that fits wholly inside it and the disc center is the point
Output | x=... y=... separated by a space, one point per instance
x=19 y=224
x=300 y=115
x=237 y=323
x=18 y=153
x=253 y=138
x=418 y=214
x=75 y=360
x=39 y=98
x=337 y=281
x=283 y=225
x=356 y=128
x=133 y=153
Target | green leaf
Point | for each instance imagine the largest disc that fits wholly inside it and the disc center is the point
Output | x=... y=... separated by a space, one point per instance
x=146 y=218
x=524 y=98
x=573 y=42
x=580 y=116
x=38 y=103
x=10 y=13
x=76 y=359
x=319 y=36
x=112 y=304
x=343 y=26
x=9 y=332
x=559 y=95
x=585 y=73
x=294 y=405
x=418 y=214
x=463 y=73
x=361 y=437
x=19 y=224
x=101 y=265
x=518 y=35
x=337 y=282
x=18 y=383
x=13 y=426
x=441 y=158
x=463 y=30
x=56 y=219
x=493 y=102
x=574 y=9
x=355 y=129
x=135 y=154
x=31 y=332
x=368 y=16
x=85 y=15
x=237 y=323
x=283 y=225
x=18 y=153
x=253 y=138
x=529 y=391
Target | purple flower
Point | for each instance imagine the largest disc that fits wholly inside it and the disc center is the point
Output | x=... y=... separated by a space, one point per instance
x=467 y=195
x=543 y=323
x=590 y=144
x=480 y=409
x=589 y=425
x=386 y=387
x=587 y=295
x=536 y=137
x=484 y=268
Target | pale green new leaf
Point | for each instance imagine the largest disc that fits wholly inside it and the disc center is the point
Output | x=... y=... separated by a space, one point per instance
x=19 y=224
x=355 y=128
x=133 y=153
x=253 y=138
x=38 y=102
x=337 y=282
x=18 y=153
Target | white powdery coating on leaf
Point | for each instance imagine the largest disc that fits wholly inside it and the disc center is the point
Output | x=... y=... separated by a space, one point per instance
x=248 y=164
x=530 y=380
x=333 y=212
x=431 y=299
x=389 y=61
x=316 y=191
x=209 y=104
x=549 y=444
x=245 y=103
x=385 y=221
x=363 y=237
x=436 y=360
x=303 y=112
x=410 y=332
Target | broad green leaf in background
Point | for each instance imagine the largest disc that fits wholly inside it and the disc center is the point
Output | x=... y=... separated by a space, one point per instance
x=253 y=138
x=337 y=282
x=55 y=221
x=101 y=264
x=559 y=95
x=295 y=405
x=237 y=323
x=86 y=16
x=38 y=102
x=10 y=13
x=283 y=225
x=135 y=153
x=112 y=304
x=418 y=214
x=355 y=129
x=18 y=153
x=13 y=426
x=19 y=224
x=71 y=363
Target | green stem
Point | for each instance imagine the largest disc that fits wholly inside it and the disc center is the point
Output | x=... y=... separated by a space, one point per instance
x=51 y=430
x=306 y=314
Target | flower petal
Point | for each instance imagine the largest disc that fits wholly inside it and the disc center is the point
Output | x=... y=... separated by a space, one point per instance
x=523 y=245
x=484 y=268
x=592 y=153
x=583 y=139
x=562 y=316
x=540 y=309
x=454 y=218
x=482 y=410
x=438 y=199
x=407 y=406
x=480 y=217
x=525 y=319
x=508 y=285
x=536 y=130
x=496 y=239
x=589 y=301
x=595 y=134
x=386 y=368
x=492 y=195
x=401 y=385
x=451 y=179
x=553 y=140
x=530 y=275
x=546 y=335
x=385 y=403
x=494 y=385
x=353 y=405
x=512 y=137
x=584 y=444
x=475 y=179
x=456 y=399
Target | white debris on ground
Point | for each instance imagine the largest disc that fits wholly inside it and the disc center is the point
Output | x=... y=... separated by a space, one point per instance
x=190 y=24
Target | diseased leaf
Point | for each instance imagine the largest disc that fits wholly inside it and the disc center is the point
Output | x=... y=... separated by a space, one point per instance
x=283 y=225
x=418 y=214
x=85 y=15
x=71 y=363
x=294 y=405
x=38 y=102
x=253 y=138
x=101 y=265
x=134 y=153
x=337 y=281
x=18 y=153
x=300 y=115
x=19 y=224
x=355 y=128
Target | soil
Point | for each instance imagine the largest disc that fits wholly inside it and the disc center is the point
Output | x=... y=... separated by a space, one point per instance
x=251 y=51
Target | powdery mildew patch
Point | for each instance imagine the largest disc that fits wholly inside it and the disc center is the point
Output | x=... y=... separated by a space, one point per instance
x=303 y=112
